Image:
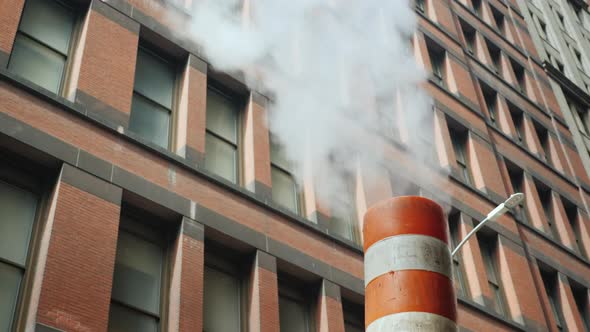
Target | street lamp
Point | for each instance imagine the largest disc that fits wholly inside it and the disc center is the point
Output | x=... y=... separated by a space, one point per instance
x=510 y=203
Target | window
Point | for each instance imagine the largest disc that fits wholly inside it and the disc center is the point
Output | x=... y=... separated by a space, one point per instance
x=518 y=120
x=437 y=56
x=470 y=37
x=546 y=199
x=458 y=274
x=285 y=190
x=543 y=135
x=542 y=29
x=550 y=283
x=18 y=209
x=581 y=298
x=42 y=44
x=578 y=58
x=488 y=245
x=421 y=6
x=223 y=296
x=354 y=317
x=520 y=76
x=344 y=222
x=153 y=98
x=561 y=21
x=516 y=175
x=571 y=211
x=491 y=99
x=476 y=7
x=500 y=22
x=459 y=139
x=581 y=117
x=294 y=308
x=138 y=278
x=496 y=56
x=222 y=135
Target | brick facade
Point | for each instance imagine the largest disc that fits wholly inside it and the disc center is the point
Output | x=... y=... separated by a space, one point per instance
x=104 y=168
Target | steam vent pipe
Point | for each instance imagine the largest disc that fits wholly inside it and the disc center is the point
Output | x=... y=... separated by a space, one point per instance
x=408 y=270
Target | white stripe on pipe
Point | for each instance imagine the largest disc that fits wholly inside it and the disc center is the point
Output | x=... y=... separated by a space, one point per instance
x=407 y=252
x=413 y=322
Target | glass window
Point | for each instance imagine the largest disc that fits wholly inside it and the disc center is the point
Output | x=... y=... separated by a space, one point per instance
x=488 y=250
x=344 y=222
x=550 y=283
x=437 y=57
x=137 y=280
x=293 y=315
x=221 y=140
x=354 y=318
x=17 y=216
x=285 y=190
x=221 y=301
x=459 y=140
x=153 y=98
x=42 y=43
x=458 y=276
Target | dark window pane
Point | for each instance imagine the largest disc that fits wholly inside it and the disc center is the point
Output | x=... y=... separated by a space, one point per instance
x=10 y=278
x=222 y=116
x=154 y=78
x=149 y=121
x=293 y=316
x=284 y=189
x=221 y=157
x=17 y=214
x=138 y=270
x=37 y=63
x=221 y=310
x=49 y=22
x=122 y=319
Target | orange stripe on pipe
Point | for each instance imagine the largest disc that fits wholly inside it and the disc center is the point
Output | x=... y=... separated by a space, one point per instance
x=410 y=291
x=404 y=215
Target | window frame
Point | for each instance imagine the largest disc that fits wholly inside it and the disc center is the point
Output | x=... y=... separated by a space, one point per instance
x=299 y=204
x=296 y=291
x=217 y=259
x=24 y=175
x=454 y=220
x=76 y=11
x=460 y=144
x=132 y=217
x=237 y=102
x=146 y=47
x=489 y=251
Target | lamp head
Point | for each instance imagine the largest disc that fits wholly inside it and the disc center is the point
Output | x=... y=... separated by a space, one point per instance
x=514 y=200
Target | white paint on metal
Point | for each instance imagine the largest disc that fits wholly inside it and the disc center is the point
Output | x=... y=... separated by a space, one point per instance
x=413 y=322
x=407 y=252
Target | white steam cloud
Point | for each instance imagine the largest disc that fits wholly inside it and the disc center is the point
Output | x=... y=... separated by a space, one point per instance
x=337 y=72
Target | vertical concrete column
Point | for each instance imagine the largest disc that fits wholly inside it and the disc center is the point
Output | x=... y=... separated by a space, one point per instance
x=79 y=261
x=263 y=311
x=408 y=267
x=510 y=255
x=194 y=150
x=571 y=314
x=103 y=81
x=257 y=147
x=11 y=12
x=188 y=302
x=329 y=315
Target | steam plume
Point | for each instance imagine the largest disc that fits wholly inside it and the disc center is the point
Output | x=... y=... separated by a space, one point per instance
x=337 y=71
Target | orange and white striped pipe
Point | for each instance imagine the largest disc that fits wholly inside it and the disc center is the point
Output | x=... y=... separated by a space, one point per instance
x=408 y=269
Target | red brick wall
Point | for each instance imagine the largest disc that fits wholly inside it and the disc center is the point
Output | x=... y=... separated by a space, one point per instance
x=11 y=11
x=191 y=285
x=108 y=75
x=76 y=290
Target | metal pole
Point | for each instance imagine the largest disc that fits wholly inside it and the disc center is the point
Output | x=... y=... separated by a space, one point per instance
x=408 y=270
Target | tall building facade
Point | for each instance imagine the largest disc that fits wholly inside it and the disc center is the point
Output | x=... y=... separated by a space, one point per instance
x=141 y=191
x=561 y=32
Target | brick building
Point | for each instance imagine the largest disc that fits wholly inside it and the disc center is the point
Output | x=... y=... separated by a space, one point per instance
x=130 y=208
